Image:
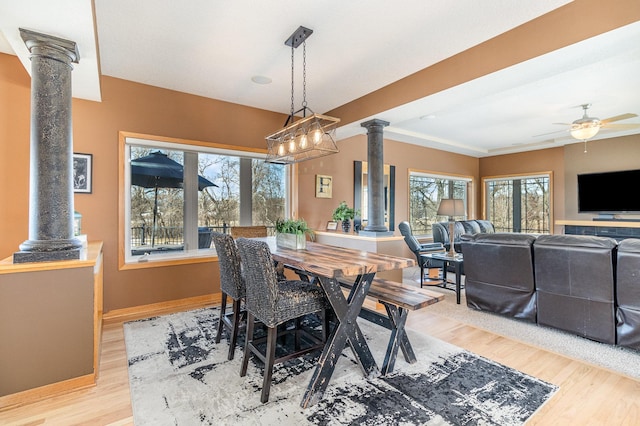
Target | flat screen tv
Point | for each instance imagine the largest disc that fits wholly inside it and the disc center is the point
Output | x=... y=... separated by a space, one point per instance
x=609 y=192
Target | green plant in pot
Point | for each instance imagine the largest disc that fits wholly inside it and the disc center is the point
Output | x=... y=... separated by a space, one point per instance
x=292 y=233
x=345 y=214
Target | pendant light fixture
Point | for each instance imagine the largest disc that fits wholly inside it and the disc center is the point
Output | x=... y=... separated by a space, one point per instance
x=309 y=137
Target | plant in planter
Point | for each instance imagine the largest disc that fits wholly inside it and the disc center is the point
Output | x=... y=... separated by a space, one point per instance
x=345 y=214
x=292 y=233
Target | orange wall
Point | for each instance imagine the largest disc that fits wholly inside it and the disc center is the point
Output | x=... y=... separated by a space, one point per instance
x=15 y=87
x=126 y=106
x=544 y=160
x=138 y=108
x=622 y=153
x=317 y=211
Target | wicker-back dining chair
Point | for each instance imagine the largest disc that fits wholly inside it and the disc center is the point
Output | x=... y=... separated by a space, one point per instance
x=232 y=285
x=273 y=303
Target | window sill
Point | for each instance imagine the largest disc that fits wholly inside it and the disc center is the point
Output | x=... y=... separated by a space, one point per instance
x=173 y=259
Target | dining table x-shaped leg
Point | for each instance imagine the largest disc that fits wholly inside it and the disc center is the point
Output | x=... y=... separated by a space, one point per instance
x=346 y=310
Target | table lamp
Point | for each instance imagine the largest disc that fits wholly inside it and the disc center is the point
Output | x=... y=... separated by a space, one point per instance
x=451 y=207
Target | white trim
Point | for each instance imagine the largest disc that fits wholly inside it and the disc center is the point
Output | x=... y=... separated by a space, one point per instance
x=440 y=176
x=516 y=177
x=193 y=148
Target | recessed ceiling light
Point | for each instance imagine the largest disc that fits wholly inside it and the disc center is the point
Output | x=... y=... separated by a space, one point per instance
x=427 y=117
x=261 y=79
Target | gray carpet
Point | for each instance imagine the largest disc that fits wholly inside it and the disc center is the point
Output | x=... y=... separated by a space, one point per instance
x=179 y=376
x=618 y=359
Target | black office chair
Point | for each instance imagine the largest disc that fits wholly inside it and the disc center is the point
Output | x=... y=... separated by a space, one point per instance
x=418 y=249
x=273 y=303
x=231 y=284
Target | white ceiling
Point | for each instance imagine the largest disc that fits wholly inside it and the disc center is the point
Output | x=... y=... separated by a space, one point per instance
x=213 y=48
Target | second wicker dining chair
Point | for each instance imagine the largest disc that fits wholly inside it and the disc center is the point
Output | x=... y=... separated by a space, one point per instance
x=273 y=303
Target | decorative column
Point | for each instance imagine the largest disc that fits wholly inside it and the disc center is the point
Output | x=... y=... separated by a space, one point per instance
x=51 y=157
x=375 y=175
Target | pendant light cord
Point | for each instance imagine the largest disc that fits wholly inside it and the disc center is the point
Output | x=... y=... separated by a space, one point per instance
x=304 y=78
x=292 y=75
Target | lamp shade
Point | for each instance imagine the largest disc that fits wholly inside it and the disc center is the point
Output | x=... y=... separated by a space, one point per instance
x=451 y=207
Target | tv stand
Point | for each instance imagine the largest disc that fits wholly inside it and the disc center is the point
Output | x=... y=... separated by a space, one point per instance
x=604 y=218
x=617 y=228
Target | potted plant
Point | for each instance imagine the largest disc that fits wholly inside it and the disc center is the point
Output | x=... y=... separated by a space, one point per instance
x=292 y=233
x=345 y=214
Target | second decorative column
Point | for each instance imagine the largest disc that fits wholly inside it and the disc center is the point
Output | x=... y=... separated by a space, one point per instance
x=375 y=175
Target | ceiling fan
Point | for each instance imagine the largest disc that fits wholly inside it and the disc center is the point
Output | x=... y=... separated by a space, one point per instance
x=587 y=127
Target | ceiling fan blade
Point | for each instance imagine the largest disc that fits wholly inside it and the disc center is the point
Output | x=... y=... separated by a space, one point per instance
x=551 y=133
x=620 y=126
x=618 y=118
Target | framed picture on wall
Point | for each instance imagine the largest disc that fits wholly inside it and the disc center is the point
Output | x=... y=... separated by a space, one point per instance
x=323 y=186
x=82 y=169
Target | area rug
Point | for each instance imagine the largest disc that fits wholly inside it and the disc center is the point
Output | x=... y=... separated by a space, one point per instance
x=179 y=376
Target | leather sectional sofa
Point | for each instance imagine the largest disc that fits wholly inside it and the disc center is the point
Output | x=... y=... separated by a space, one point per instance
x=575 y=284
x=589 y=286
x=628 y=293
x=499 y=274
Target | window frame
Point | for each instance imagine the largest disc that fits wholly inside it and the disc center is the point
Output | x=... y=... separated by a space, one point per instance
x=518 y=176
x=469 y=196
x=188 y=256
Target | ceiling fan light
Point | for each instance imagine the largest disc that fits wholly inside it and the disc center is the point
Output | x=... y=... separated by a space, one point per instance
x=585 y=131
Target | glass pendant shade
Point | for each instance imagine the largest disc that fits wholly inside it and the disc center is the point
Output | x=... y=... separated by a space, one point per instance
x=307 y=138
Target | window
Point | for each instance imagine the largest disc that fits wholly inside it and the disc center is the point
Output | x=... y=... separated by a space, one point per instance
x=176 y=193
x=425 y=192
x=519 y=203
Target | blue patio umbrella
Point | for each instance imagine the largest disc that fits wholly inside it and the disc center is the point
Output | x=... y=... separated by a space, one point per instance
x=157 y=170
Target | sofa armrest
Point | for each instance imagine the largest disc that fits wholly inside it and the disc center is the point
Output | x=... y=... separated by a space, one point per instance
x=431 y=247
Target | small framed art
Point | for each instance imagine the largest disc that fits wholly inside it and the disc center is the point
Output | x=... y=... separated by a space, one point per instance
x=82 y=169
x=332 y=225
x=323 y=186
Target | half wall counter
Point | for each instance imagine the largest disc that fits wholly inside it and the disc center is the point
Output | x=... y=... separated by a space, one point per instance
x=50 y=326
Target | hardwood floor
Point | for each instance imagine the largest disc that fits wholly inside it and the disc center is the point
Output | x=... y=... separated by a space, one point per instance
x=587 y=395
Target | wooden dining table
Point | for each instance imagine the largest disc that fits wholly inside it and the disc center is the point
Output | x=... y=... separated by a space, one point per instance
x=329 y=264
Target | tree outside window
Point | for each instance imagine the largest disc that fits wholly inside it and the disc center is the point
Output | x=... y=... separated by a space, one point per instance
x=519 y=203
x=243 y=188
x=425 y=192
